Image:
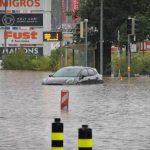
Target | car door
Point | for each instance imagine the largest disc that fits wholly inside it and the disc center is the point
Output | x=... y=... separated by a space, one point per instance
x=92 y=76
x=84 y=77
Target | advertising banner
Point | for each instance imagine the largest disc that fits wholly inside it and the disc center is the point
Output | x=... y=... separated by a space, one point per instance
x=75 y=5
x=21 y=36
x=148 y=45
x=28 y=50
x=75 y=8
x=143 y=46
x=63 y=11
x=21 y=4
x=68 y=37
x=21 y=19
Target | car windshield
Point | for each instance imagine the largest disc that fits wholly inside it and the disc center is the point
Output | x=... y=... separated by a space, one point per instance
x=67 y=72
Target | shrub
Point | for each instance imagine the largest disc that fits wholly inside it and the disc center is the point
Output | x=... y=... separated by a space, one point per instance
x=40 y=63
x=54 y=60
x=18 y=60
x=21 y=61
x=139 y=63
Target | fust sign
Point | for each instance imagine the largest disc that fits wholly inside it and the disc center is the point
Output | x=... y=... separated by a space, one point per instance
x=21 y=36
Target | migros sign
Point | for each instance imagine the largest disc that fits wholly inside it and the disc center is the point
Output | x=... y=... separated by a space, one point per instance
x=21 y=4
x=22 y=37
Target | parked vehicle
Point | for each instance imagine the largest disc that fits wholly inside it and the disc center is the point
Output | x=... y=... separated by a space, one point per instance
x=74 y=75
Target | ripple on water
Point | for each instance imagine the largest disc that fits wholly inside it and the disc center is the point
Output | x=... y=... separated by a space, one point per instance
x=117 y=111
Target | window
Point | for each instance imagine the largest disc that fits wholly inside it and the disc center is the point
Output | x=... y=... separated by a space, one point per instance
x=67 y=72
x=91 y=72
x=84 y=73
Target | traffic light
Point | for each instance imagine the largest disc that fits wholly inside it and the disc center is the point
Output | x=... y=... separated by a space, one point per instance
x=78 y=33
x=129 y=26
x=132 y=26
x=79 y=29
x=136 y=26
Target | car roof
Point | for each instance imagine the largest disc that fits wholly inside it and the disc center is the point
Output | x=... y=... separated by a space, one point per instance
x=78 y=67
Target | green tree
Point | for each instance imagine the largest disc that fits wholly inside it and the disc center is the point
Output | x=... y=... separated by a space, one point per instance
x=116 y=13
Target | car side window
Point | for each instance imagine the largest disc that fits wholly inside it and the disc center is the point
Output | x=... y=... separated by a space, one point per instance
x=91 y=72
x=84 y=73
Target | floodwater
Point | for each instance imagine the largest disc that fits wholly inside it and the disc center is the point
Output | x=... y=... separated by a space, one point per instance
x=118 y=112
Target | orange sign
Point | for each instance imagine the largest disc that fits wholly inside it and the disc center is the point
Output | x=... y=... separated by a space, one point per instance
x=21 y=4
x=21 y=35
x=16 y=3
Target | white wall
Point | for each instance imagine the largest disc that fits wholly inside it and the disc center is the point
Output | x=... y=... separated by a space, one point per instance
x=47 y=25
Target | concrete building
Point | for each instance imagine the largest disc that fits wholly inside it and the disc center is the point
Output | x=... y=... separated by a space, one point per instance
x=19 y=20
x=35 y=16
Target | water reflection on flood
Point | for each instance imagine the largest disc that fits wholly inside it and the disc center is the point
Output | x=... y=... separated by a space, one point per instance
x=117 y=111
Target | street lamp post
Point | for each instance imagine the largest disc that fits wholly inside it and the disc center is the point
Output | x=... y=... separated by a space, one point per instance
x=86 y=47
x=5 y=40
x=61 y=30
x=128 y=49
x=101 y=37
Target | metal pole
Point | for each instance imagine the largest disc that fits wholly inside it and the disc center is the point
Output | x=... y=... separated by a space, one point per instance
x=73 y=57
x=5 y=40
x=67 y=15
x=86 y=20
x=119 y=53
x=61 y=54
x=129 y=56
x=66 y=49
x=101 y=37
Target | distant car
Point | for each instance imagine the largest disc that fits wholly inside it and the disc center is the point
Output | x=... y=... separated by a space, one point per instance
x=74 y=75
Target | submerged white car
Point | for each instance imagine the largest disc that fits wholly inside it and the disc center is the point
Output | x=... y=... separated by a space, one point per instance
x=74 y=75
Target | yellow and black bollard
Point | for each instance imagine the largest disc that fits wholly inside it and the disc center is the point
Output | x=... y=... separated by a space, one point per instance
x=57 y=136
x=85 y=141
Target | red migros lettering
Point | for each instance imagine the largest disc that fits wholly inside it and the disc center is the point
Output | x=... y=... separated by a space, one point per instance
x=15 y=3
x=30 y=3
x=2 y=3
x=21 y=35
x=37 y=3
x=19 y=3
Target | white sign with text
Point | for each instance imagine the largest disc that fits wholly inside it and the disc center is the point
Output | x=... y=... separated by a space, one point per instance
x=21 y=36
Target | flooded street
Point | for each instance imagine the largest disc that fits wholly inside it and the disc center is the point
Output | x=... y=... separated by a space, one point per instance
x=117 y=111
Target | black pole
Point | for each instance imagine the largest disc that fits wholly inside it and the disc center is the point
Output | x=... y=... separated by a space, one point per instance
x=101 y=37
x=73 y=57
x=5 y=21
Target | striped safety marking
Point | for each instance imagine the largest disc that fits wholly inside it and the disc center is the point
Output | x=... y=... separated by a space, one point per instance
x=85 y=143
x=57 y=148
x=65 y=97
x=57 y=136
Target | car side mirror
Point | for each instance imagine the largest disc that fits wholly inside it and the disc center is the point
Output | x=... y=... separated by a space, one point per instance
x=50 y=75
x=81 y=77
